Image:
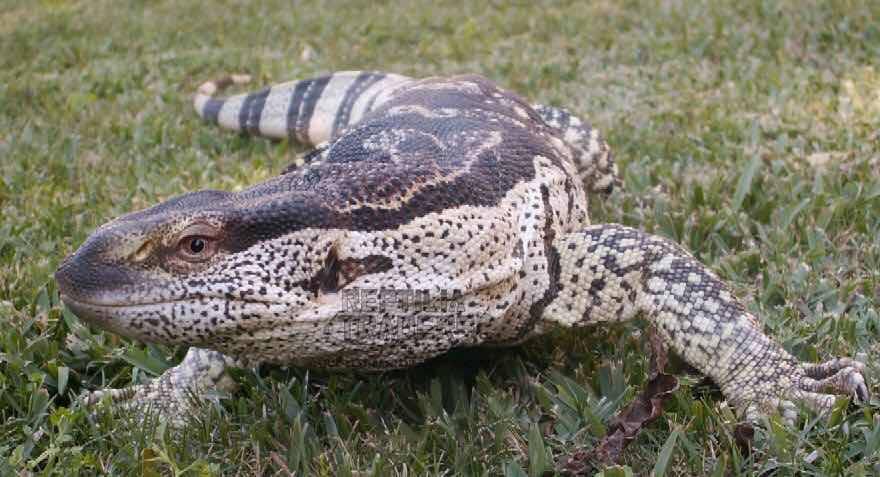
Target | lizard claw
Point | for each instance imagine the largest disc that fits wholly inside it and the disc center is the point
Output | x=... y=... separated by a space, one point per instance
x=91 y=398
x=175 y=394
x=816 y=386
x=839 y=376
x=142 y=400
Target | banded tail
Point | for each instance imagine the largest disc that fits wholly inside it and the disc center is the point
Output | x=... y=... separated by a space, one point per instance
x=309 y=111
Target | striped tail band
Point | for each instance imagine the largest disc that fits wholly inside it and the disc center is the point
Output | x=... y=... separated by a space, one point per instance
x=309 y=111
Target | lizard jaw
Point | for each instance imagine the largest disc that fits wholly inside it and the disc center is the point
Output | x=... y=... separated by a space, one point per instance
x=106 y=316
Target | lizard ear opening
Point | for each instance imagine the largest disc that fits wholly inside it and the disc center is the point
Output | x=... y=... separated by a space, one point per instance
x=338 y=272
x=327 y=279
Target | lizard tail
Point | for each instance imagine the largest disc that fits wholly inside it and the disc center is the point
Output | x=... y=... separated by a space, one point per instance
x=308 y=111
x=209 y=107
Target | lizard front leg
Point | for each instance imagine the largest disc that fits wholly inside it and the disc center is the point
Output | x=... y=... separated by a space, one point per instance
x=171 y=394
x=612 y=273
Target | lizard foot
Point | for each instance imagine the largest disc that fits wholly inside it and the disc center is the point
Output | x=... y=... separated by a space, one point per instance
x=815 y=386
x=173 y=396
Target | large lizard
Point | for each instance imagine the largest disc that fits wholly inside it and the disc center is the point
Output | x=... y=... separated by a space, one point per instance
x=432 y=214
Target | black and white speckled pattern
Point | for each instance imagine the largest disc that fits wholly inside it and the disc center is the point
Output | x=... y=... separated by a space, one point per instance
x=445 y=191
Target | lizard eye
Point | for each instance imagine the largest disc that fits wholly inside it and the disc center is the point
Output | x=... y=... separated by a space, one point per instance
x=196 y=245
x=196 y=248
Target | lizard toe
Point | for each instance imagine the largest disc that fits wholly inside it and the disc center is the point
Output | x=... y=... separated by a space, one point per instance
x=847 y=380
x=91 y=398
x=143 y=400
x=789 y=412
x=815 y=387
x=787 y=409
x=820 y=403
x=832 y=367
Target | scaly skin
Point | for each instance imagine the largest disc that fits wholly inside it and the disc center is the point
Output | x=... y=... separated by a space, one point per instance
x=433 y=214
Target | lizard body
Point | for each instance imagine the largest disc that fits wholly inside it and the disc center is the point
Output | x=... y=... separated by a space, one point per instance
x=456 y=208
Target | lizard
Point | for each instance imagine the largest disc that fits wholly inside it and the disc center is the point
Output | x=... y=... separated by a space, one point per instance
x=462 y=195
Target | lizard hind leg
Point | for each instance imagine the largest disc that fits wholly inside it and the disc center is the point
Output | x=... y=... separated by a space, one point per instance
x=612 y=273
x=592 y=156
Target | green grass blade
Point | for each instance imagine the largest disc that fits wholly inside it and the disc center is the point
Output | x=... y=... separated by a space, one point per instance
x=663 y=459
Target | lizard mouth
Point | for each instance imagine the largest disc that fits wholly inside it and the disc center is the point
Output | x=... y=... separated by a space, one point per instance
x=155 y=321
x=102 y=311
x=109 y=316
x=102 y=305
x=73 y=302
x=150 y=322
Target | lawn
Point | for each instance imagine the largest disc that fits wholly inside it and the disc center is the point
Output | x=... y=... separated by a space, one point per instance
x=745 y=130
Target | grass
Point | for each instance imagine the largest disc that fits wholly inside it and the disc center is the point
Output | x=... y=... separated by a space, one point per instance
x=748 y=131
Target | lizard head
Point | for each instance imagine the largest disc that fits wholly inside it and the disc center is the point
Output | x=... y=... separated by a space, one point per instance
x=200 y=268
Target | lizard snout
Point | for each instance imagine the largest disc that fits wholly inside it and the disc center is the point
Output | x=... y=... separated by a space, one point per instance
x=88 y=276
